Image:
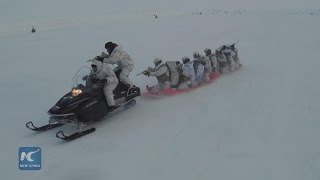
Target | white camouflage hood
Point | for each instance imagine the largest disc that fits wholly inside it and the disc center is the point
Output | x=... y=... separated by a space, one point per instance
x=98 y=64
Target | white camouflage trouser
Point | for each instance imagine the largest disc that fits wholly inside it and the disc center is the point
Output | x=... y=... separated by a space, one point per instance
x=174 y=78
x=108 y=93
x=236 y=65
x=206 y=76
x=194 y=83
x=184 y=85
x=223 y=68
x=124 y=75
x=199 y=75
x=231 y=65
x=236 y=62
x=215 y=66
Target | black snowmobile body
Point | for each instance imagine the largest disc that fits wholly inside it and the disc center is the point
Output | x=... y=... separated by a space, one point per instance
x=91 y=104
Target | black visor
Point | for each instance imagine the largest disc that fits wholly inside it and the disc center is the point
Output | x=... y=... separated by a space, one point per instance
x=93 y=66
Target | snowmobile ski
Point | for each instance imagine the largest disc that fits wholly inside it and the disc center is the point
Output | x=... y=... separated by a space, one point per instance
x=125 y=105
x=74 y=136
x=79 y=134
x=31 y=126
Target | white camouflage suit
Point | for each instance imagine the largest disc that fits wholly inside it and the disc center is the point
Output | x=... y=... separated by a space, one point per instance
x=192 y=75
x=229 y=55
x=124 y=62
x=199 y=69
x=161 y=72
x=214 y=62
x=207 y=68
x=174 y=73
x=222 y=60
x=236 y=58
x=184 y=77
x=106 y=72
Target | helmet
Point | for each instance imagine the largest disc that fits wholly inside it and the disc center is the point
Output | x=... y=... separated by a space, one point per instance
x=196 y=55
x=218 y=51
x=96 y=65
x=207 y=51
x=110 y=46
x=185 y=60
x=232 y=47
x=157 y=61
x=224 y=47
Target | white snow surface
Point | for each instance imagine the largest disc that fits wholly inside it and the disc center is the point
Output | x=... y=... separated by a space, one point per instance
x=260 y=122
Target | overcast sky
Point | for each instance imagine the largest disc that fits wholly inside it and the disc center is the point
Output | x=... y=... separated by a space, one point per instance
x=26 y=10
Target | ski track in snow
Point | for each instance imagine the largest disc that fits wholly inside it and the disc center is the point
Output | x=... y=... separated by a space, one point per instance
x=261 y=122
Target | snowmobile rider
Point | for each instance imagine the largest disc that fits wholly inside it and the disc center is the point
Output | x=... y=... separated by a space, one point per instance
x=118 y=56
x=205 y=61
x=229 y=55
x=235 y=56
x=184 y=76
x=222 y=61
x=161 y=72
x=189 y=67
x=198 y=66
x=213 y=59
x=174 y=73
x=102 y=73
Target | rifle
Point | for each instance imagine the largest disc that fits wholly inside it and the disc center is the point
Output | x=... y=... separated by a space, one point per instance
x=233 y=44
x=140 y=73
x=150 y=69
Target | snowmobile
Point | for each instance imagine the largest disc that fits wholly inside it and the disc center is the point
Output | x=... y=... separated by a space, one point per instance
x=86 y=104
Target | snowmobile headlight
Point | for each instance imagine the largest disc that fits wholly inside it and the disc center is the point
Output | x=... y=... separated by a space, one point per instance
x=76 y=92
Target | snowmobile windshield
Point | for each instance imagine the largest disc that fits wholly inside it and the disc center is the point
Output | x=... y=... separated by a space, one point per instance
x=81 y=76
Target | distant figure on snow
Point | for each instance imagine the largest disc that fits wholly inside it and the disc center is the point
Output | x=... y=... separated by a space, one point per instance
x=33 y=30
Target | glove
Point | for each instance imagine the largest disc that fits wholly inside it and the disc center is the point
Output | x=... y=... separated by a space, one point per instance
x=103 y=54
x=147 y=73
x=93 y=78
x=103 y=80
x=99 y=58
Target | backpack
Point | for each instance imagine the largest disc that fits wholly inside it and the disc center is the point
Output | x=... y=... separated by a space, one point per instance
x=172 y=67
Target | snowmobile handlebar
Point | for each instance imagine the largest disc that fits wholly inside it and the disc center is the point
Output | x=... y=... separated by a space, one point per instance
x=94 y=79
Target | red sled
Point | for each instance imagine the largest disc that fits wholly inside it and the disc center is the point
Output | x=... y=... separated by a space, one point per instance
x=171 y=92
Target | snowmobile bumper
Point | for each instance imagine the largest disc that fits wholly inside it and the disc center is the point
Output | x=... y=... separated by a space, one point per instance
x=66 y=118
x=61 y=115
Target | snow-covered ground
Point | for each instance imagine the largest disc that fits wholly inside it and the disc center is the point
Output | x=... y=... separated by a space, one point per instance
x=261 y=122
